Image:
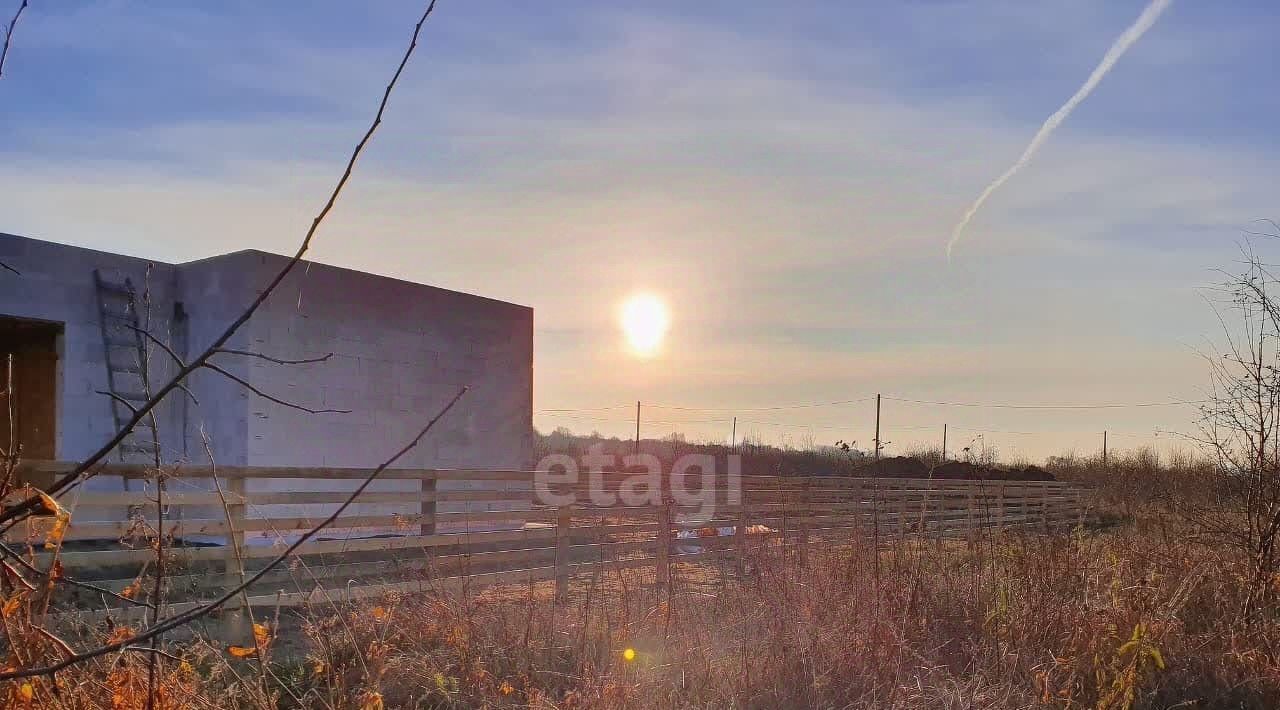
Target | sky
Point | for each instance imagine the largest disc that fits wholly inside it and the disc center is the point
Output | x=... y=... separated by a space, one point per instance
x=783 y=175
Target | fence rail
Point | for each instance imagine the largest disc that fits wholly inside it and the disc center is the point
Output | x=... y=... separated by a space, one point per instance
x=502 y=533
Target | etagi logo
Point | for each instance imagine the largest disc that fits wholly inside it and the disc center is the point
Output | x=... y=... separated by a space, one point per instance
x=693 y=484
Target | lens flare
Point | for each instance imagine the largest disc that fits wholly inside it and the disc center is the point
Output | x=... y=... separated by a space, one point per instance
x=629 y=654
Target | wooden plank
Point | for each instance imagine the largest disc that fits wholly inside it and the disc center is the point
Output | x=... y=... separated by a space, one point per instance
x=748 y=482
x=36 y=528
x=377 y=544
x=307 y=472
x=101 y=558
x=303 y=497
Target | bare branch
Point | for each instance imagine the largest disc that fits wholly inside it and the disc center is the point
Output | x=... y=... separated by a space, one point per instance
x=77 y=474
x=245 y=383
x=15 y=556
x=153 y=651
x=182 y=619
x=1274 y=226
x=278 y=361
x=4 y=52
x=146 y=333
x=62 y=645
x=118 y=398
x=156 y=341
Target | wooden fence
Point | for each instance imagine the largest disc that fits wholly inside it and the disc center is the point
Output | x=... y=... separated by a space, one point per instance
x=449 y=532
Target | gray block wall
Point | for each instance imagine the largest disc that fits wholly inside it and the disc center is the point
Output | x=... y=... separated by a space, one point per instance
x=56 y=284
x=400 y=351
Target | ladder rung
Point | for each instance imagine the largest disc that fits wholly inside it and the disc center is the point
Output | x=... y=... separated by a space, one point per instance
x=127 y=369
x=147 y=448
x=114 y=289
x=115 y=343
x=132 y=396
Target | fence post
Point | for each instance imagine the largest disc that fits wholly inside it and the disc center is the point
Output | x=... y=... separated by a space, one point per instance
x=1000 y=512
x=805 y=511
x=740 y=533
x=234 y=623
x=854 y=508
x=902 y=506
x=564 y=523
x=428 y=508
x=939 y=516
x=662 y=574
x=970 y=512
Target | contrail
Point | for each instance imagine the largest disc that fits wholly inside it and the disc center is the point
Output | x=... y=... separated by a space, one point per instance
x=1121 y=45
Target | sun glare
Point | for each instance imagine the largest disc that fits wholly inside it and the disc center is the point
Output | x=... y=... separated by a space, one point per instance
x=644 y=323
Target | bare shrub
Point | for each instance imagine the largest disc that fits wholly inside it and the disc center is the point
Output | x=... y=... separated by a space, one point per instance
x=1239 y=425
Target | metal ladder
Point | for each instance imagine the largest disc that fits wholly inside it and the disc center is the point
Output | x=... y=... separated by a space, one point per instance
x=126 y=359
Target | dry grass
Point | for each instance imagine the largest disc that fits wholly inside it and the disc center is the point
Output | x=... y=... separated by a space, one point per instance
x=1128 y=615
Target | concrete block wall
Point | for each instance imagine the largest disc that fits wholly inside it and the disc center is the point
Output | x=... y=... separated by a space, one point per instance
x=56 y=284
x=400 y=351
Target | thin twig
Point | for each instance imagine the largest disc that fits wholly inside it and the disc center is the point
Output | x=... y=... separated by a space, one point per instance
x=182 y=619
x=8 y=36
x=245 y=383
x=62 y=645
x=12 y=445
x=232 y=541
x=147 y=334
x=278 y=361
x=117 y=398
x=157 y=589
x=153 y=651
x=17 y=557
x=75 y=476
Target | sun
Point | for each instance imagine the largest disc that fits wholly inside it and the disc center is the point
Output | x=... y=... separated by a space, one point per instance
x=644 y=323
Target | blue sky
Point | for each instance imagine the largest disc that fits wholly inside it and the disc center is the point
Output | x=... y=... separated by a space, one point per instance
x=785 y=175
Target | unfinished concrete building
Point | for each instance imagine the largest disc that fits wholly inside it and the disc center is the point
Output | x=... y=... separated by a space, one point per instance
x=399 y=352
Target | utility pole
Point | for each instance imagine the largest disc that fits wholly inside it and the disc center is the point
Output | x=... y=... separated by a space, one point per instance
x=944 y=443
x=1104 y=448
x=733 y=438
x=877 y=427
x=637 y=427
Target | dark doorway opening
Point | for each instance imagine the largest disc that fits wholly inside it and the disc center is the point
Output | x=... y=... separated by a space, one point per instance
x=29 y=405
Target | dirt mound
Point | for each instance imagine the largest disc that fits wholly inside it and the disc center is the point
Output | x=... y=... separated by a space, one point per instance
x=897 y=467
x=1028 y=473
x=908 y=467
x=960 y=471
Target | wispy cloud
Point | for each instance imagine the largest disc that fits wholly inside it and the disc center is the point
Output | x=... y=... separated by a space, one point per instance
x=1122 y=44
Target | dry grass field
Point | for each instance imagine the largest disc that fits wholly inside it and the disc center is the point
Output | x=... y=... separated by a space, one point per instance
x=1130 y=611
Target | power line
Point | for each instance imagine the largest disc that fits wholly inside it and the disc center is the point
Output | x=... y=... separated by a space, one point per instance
x=646 y=421
x=791 y=425
x=1109 y=405
x=807 y=405
x=586 y=409
x=907 y=400
x=796 y=426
